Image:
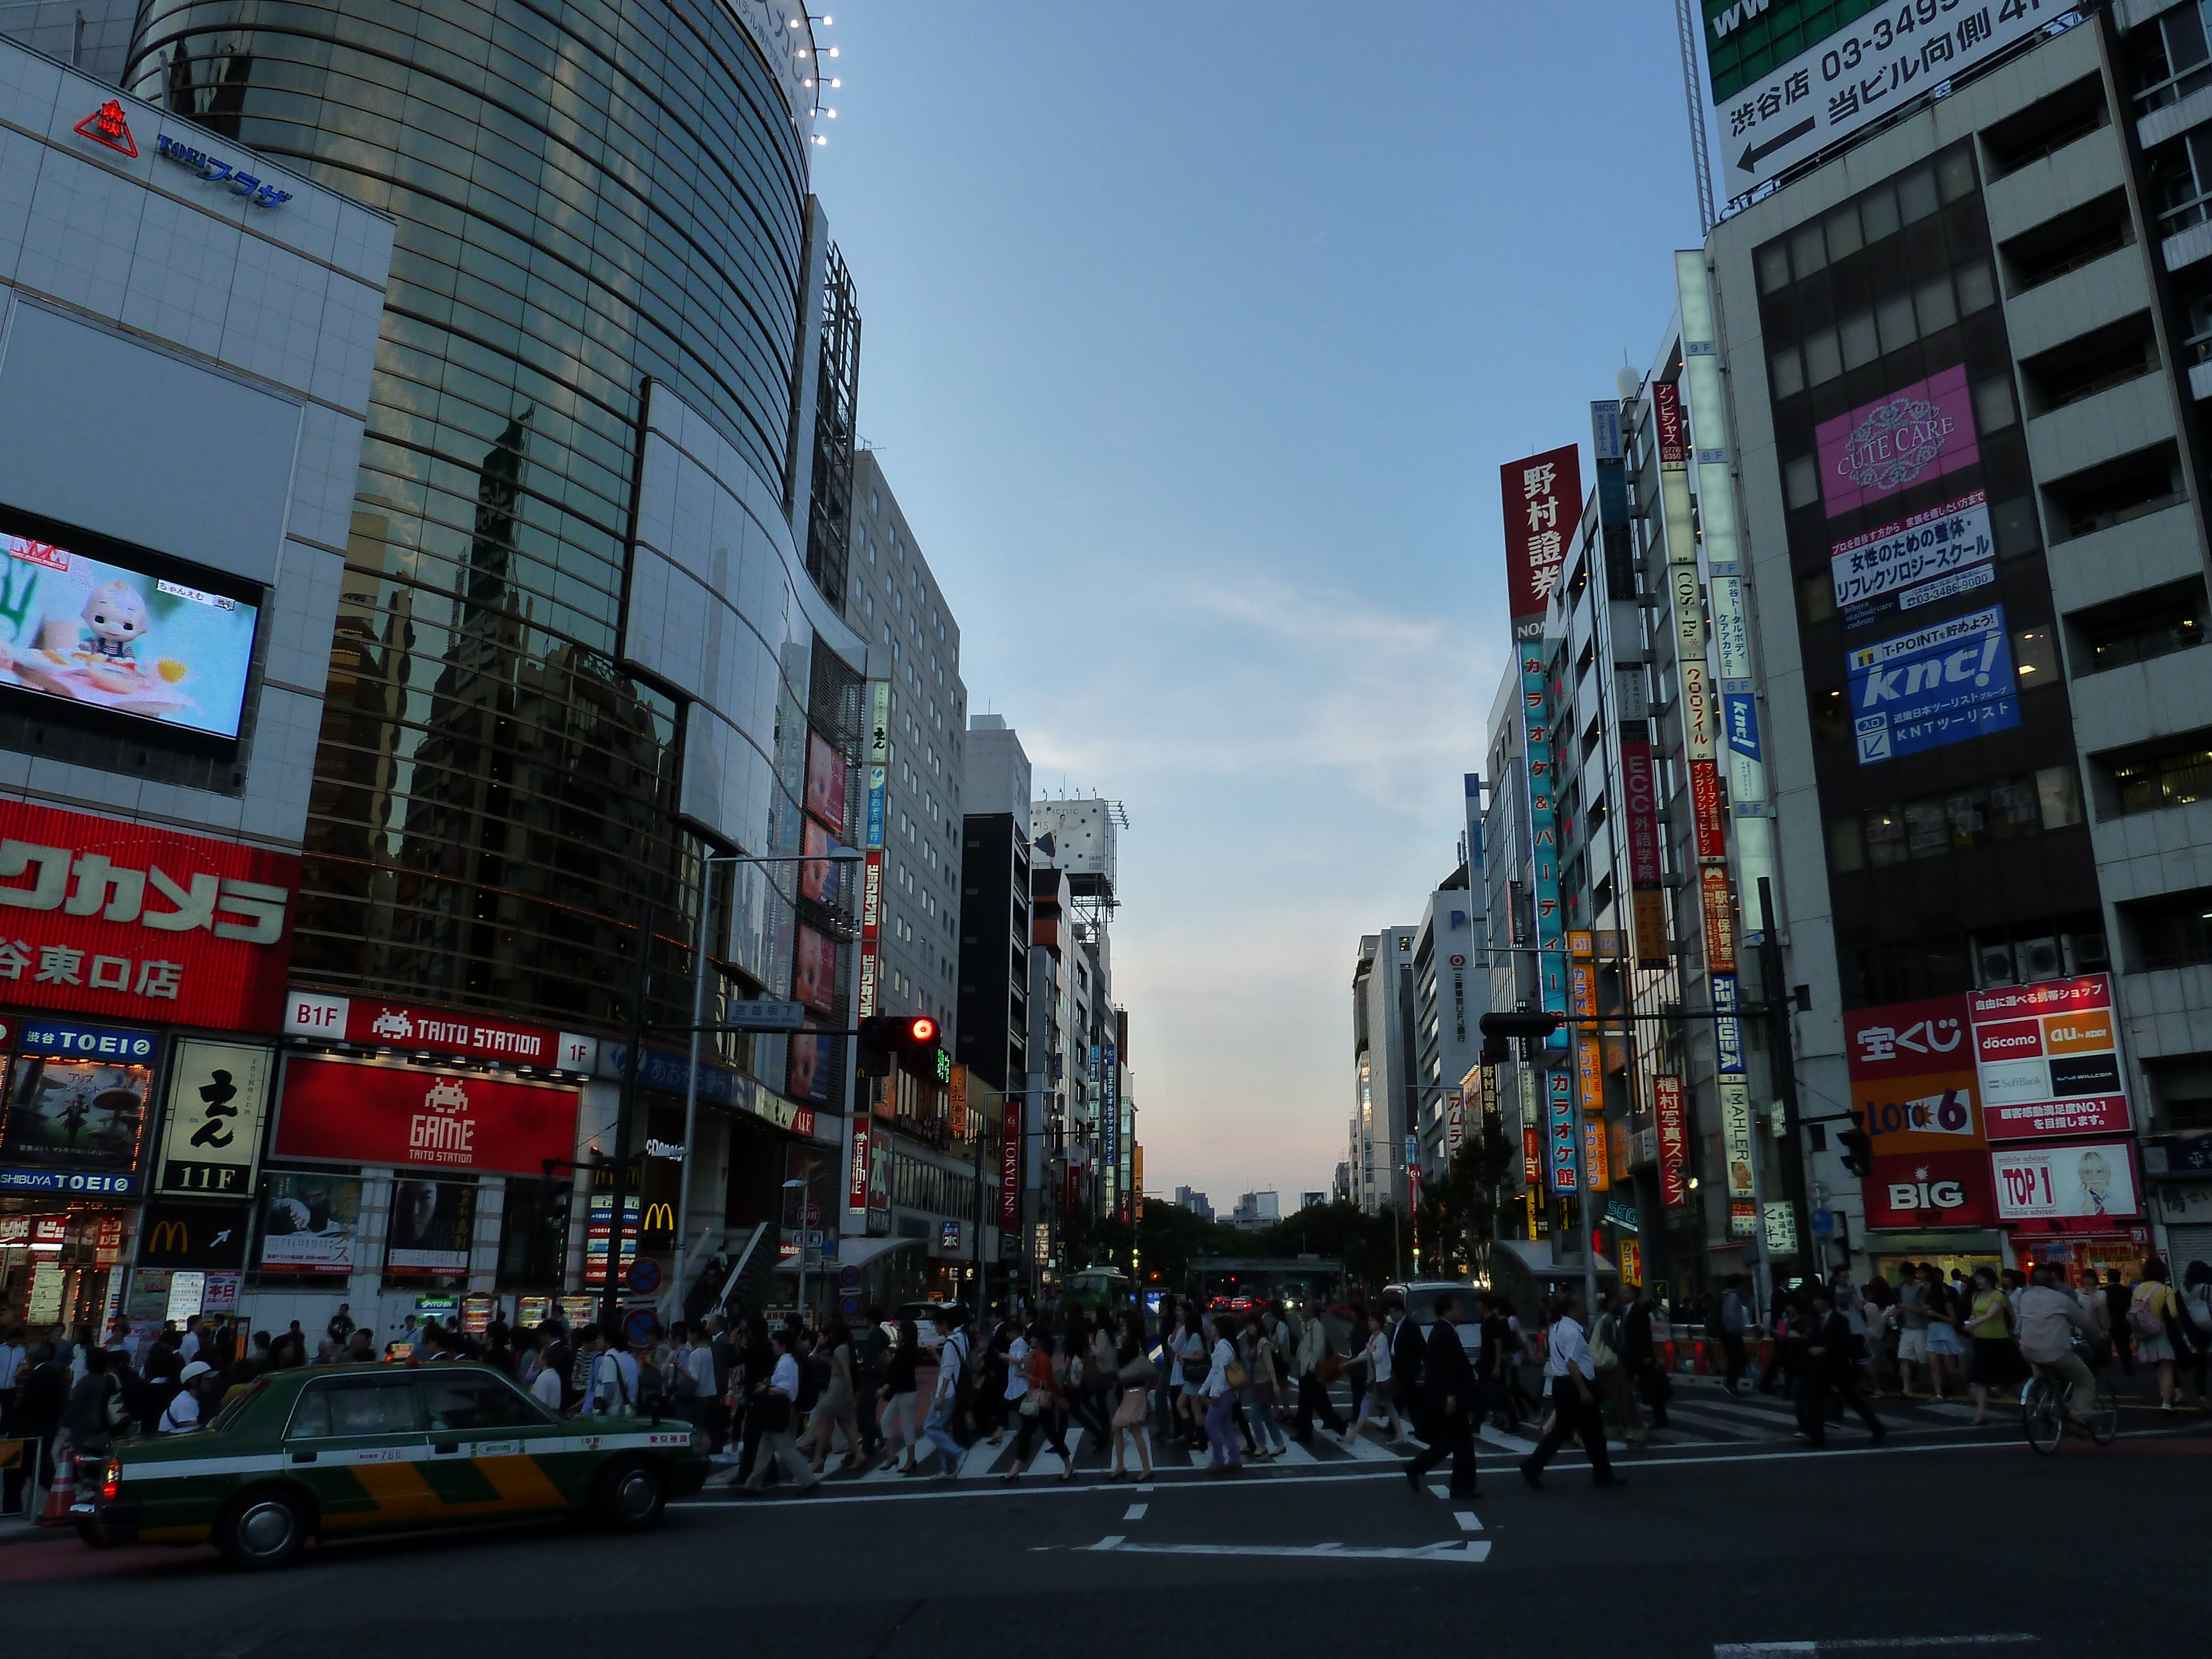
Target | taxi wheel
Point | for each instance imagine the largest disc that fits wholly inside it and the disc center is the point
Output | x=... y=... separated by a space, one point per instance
x=92 y=1536
x=261 y=1530
x=629 y=1498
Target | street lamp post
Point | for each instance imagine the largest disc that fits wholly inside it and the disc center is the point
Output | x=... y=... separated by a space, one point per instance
x=806 y=1206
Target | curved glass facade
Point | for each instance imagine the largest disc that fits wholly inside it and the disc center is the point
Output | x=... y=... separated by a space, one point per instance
x=588 y=196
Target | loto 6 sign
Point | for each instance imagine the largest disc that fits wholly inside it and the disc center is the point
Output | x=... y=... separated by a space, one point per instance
x=121 y=920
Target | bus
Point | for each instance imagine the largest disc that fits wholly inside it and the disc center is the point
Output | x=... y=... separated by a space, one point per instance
x=1096 y=1290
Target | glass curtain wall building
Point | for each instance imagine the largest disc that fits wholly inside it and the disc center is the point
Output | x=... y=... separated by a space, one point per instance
x=593 y=199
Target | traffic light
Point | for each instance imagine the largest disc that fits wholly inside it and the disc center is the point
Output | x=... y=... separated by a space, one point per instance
x=1530 y=1027
x=1858 y=1146
x=885 y=1035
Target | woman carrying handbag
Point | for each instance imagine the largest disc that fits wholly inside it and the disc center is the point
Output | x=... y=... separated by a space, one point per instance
x=1042 y=1405
x=1136 y=1374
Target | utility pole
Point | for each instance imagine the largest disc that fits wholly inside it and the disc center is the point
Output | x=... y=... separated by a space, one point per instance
x=1783 y=1064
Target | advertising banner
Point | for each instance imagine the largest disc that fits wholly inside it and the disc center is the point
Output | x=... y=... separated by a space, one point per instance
x=856 y=1184
x=1728 y=1028
x=1455 y=1122
x=1737 y=1143
x=79 y=1104
x=1010 y=1163
x=1700 y=720
x=309 y=1223
x=111 y=635
x=1648 y=911
x=1919 y=432
x=1543 y=840
x=1710 y=822
x=1931 y=555
x=118 y=920
x=814 y=970
x=1720 y=917
x=1531 y=1156
x=1941 y=685
x=956 y=1092
x=348 y=1112
x=2047 y=1056
x=1670 y=1117
x=820 y=878
x=868 y=991
x=465 y=1036
x=1595 y=1162
x=1644 y=868
x=1912 y=1070
x=1559 y=1115
x=178 y=1233
x=1803 y=75
x=218 y=1099
x=2067 y=1183
x=1930 y=1189
x=825 y=783
x=433 y=1223
x=1543 y=498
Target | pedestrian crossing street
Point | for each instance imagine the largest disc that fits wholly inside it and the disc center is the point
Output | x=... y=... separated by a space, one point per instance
x=1700 y=1413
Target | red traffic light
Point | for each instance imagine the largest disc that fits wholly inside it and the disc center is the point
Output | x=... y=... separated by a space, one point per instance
x=922 y=1029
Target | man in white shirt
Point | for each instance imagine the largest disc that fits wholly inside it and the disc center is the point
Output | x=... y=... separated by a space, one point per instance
x=2049 y=1316
x=1571 y=1376
x=613 y=1388
x=779 y=1445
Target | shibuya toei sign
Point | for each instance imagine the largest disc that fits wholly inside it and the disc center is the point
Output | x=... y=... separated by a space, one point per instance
x=113 y=919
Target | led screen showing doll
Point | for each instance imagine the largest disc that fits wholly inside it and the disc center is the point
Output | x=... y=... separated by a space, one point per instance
x=75 y=627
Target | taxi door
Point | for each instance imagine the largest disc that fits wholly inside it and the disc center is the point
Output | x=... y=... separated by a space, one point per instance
x=356 y=1442
x=486 y=1438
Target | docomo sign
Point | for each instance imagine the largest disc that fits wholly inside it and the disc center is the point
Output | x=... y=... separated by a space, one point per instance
x=430 y=1031
x=351 y=1112
x=2047 y=1055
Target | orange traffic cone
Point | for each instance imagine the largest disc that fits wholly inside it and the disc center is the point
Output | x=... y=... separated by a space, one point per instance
x=62 y=1492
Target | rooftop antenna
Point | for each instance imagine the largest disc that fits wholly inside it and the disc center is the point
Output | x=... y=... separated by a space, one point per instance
x=1687 y=30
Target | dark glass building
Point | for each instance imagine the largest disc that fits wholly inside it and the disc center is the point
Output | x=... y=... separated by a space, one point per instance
x=593 y=199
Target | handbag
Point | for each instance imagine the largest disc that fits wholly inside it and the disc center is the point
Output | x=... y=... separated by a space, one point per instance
x=1234 y=1374
x=1030 y=1406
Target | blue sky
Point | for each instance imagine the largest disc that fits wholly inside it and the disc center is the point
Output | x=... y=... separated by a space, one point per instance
x=1193 y=339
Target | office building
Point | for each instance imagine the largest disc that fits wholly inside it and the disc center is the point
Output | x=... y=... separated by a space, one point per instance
x=1385 y=1051
x=1965 y=350
x=162 y=676
x=1189 y=1198
x=592 y=620
x=1450 y=998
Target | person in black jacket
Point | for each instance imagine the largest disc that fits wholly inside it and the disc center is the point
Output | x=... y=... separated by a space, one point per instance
x=42 y=1391
x=1640 y=1355
x=1409 y=1349
x=1829 y=1360
x=1449 y=1384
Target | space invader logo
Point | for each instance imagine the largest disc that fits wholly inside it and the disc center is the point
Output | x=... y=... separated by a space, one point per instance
x=108 y=126
x=444 y=1131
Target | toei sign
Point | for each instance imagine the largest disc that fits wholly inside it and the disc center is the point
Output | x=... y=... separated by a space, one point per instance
x=103 y=917
x=345 y=1112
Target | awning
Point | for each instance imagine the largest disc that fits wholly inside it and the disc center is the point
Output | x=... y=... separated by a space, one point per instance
x=1534 y=1257
x=1964 y=1242
x=851 y=1253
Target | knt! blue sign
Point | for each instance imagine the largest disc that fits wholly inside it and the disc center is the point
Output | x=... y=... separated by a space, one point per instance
x=1941 y=685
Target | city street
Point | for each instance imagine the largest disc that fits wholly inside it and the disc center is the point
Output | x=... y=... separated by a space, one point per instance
x=1946 y=1533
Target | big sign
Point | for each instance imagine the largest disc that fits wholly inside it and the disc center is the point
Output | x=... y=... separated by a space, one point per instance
x=126 y=922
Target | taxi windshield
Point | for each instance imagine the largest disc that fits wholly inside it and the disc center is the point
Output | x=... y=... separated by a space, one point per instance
x=234 y=1406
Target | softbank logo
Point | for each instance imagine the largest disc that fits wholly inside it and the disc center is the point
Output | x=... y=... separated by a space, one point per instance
x=1725 y=22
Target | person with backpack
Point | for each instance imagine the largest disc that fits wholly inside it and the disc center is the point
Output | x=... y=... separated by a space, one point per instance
x=2197 y=1315
x=611 y=1387
x=2153 y=1311
x=953 y=1361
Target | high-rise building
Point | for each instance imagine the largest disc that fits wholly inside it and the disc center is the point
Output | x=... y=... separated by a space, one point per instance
x=1385 y=1052
x=593 y=615
x=1963 y=348
x=185 y=355
x=1450 y=997
x=1073 y=844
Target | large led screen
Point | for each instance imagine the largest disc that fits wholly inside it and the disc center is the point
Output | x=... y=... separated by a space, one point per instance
x=110 y=637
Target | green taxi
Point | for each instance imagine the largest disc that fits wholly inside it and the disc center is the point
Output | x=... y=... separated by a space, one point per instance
x=346 y=1451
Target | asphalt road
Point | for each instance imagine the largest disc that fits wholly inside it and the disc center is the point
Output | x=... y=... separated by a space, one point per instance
x=1709 y=1550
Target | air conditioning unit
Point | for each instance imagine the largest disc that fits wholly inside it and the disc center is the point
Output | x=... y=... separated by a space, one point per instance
x=2087 y=953
x=2040 y=958
x=1993 y=965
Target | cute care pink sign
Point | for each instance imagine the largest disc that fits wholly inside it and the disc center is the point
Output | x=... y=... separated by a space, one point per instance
x=1919 y=432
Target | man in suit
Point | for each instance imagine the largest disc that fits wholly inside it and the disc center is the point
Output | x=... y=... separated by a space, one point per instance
x=1408 y=1348
x=1449 y=1387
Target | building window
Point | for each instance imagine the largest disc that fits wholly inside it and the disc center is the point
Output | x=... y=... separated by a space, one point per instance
x=2138 y=628
x=2174 y=930
x=2169 y=57
x=2178 y=777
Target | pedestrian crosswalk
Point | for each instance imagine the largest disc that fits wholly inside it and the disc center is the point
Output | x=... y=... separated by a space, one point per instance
x=1701 y=1412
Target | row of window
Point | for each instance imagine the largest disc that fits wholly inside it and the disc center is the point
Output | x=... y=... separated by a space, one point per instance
x=2004 y=809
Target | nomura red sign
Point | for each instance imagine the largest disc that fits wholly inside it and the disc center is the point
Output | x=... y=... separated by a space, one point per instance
x=124 y=920
x=346 y=1112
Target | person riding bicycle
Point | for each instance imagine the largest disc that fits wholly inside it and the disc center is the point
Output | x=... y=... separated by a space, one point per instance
x=2048 y=1319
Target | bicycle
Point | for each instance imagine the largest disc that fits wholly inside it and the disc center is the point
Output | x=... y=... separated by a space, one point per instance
x=2043 y=1406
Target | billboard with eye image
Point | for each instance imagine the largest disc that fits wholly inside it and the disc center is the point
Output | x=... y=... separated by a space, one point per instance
x=119 y=636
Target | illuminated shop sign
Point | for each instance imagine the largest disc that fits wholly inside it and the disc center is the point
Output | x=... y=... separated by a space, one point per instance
x=215 y=171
